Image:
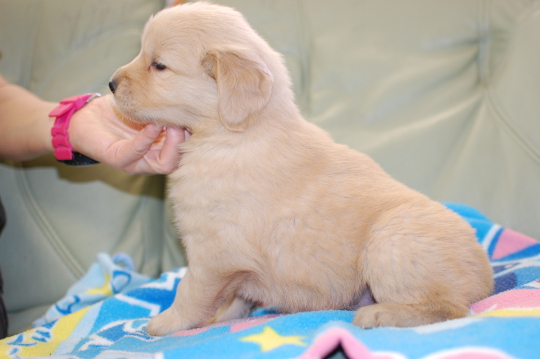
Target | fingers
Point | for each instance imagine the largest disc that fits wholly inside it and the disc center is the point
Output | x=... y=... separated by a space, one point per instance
x=144 y=139
x=128 y=154
x=148 y=154
x=170 y=155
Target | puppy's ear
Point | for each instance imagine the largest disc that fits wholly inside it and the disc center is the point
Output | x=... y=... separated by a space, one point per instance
x=244 y=84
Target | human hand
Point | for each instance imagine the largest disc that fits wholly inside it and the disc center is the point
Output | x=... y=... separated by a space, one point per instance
x=98 y=133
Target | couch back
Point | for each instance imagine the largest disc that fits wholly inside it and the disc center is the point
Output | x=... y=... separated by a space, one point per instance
x=443 y=94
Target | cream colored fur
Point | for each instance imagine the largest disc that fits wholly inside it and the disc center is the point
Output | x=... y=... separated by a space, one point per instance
x=270 y=209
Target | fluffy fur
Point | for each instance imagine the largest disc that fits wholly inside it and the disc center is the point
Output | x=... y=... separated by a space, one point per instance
x=270 y=209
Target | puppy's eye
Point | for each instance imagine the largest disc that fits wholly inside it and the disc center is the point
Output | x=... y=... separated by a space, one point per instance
x=159 y=66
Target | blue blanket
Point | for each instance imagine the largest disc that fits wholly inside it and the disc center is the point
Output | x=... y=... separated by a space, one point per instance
x=104 y=316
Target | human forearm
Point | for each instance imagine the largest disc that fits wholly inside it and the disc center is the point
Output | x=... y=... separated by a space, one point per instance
x=24 y=123
x=94 y=130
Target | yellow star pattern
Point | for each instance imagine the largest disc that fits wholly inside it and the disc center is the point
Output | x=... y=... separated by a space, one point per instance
x=269 y=339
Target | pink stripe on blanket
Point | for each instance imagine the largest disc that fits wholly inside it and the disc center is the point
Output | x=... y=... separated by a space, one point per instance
x=470 y=353
x=330 y=339
x=251 y=322
x=516 y=298
x=511 y=242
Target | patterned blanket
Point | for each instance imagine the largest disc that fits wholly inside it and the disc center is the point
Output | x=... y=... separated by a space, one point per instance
x=104 y=316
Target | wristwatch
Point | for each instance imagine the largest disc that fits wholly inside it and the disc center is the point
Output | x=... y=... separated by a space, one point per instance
x=60 y=139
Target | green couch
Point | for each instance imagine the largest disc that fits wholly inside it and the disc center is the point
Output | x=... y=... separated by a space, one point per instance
x=443 y=94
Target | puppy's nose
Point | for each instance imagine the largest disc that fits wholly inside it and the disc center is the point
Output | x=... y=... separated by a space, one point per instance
x=113 y=84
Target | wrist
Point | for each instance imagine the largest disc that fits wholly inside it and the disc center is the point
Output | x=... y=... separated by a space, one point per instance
x=45 y=125
x=63 y=113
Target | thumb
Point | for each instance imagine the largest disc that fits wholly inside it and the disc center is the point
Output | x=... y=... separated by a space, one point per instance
x=128 y=152
x=144 y=139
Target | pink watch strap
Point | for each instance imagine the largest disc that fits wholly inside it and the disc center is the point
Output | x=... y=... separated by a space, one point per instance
x=63 y=113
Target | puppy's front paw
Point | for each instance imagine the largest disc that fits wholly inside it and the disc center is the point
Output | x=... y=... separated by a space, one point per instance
x=166 y=323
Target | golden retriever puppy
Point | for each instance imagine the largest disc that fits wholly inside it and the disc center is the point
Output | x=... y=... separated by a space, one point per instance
x=270 y=209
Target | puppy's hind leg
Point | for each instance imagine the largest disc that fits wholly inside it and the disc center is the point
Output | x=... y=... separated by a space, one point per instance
x=407 y=315
x=414 y=279
x=409 y=299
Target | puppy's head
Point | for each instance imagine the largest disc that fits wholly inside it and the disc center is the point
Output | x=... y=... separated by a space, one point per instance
x=200 y=65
